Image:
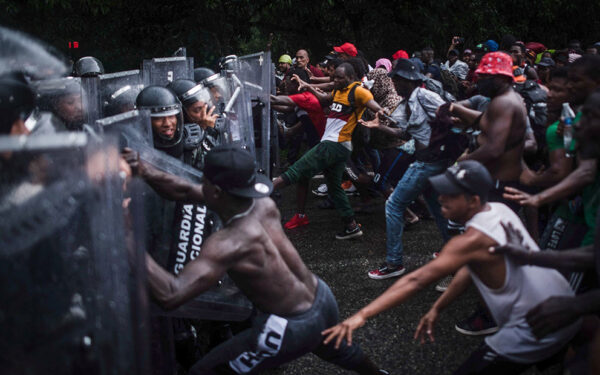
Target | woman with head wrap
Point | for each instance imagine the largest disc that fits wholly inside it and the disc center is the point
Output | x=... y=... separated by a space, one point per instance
x=383 y=63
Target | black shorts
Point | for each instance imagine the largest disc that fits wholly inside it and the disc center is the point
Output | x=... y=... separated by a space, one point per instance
x=273 y=340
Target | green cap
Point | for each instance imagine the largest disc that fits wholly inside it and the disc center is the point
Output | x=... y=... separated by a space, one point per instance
x=285 y=59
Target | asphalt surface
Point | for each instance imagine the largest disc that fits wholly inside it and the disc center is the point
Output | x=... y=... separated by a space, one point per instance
x=387 y=338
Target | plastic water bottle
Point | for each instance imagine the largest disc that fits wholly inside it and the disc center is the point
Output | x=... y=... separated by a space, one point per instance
x=567 y=116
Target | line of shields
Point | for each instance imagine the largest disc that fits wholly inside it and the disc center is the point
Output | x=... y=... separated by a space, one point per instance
x=74 y=232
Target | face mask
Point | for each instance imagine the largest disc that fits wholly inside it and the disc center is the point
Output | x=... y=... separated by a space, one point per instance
x=486 y=87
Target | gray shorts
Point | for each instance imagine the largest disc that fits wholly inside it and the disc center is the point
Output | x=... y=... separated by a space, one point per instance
x=273 y=340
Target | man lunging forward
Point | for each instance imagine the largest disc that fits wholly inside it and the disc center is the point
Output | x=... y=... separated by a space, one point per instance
x=509 y=290
x=294 y=305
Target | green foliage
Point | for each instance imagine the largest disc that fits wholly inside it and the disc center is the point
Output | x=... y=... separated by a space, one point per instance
x=122 y=33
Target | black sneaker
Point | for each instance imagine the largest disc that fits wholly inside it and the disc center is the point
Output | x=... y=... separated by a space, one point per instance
x=349 y=232
x=385 y=272
x=479 y=323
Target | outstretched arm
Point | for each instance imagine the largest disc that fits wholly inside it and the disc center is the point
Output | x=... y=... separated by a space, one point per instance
x=283 y=100
x=573 y=183
x=459 y=284
x=560 y=166
x=579 y=259
x=376 y=124
x=456 y=253
x=168 y=186
x=196 y=277
x=464 y=113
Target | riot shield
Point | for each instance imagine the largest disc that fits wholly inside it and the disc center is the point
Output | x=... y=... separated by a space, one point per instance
x=90 y=87
x=118 y=91
x=133 y=128
x=256 y=73
x=66 y=99
x=161 y=71
x=235 y=125
x=71 y=303
x=22 y=53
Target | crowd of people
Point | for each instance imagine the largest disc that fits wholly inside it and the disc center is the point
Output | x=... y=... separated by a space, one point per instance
x=498 y=144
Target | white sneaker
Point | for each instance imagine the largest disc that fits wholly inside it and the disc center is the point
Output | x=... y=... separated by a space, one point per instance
x=321 y=191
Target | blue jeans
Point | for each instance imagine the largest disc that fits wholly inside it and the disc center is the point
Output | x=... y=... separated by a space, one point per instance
x=413 y=182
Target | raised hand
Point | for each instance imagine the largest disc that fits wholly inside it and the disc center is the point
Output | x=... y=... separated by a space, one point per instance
x=207 y=117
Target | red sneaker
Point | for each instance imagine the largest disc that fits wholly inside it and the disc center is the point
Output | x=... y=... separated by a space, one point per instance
x=297 y=221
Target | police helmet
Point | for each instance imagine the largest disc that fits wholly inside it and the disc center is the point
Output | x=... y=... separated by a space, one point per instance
x=88 y=66
x=17 y=100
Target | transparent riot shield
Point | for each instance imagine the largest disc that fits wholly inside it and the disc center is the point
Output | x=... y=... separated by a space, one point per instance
x=132 y=128
x=118 y=91
x=256 y=73
x=160 y=71
x=22 y=53
x=66 y=99
x=71 y=302
x=90 y=87
x=236 y=122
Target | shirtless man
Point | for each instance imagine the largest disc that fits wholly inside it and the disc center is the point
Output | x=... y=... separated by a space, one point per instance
x=510 y=290
x=294 y=305
x=502 y=125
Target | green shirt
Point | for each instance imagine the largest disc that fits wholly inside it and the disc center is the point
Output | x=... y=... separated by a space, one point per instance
x=568 y=210
x=556 y=142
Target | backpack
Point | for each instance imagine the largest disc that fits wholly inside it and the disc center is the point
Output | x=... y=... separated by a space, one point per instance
x=437 y=87
x=444 y=143
x=535 y=102
x=449 y=83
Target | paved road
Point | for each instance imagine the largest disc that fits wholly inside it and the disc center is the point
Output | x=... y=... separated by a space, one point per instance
x=344 y=265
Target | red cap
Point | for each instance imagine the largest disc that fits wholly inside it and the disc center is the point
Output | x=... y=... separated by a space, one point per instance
x=537 y=47
x=496 y=63
x=400 y=54
x=347 y=48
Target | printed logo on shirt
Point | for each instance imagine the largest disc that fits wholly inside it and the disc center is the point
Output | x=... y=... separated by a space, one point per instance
x=269 y=344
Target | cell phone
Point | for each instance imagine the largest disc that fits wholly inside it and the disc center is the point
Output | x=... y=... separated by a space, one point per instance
x=459 y=40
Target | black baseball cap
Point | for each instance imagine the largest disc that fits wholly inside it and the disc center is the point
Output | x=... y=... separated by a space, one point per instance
x=468 y=176
x=407 y=69
x=232 y=168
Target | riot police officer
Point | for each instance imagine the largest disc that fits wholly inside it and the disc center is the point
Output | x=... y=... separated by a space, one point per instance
x=88 y=66
x=195 y=100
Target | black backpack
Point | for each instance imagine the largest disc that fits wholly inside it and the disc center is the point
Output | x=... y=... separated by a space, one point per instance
x=444 y=143
x=535 y=102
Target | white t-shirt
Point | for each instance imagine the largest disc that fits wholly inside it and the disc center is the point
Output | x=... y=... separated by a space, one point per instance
x=524 y=288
